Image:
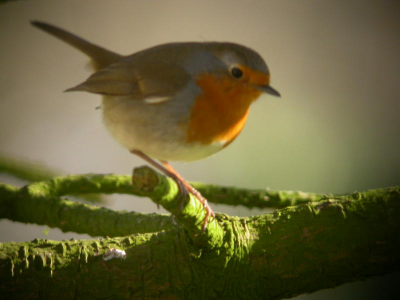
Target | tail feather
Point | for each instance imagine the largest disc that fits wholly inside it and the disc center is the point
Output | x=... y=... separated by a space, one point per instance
x=101 y=57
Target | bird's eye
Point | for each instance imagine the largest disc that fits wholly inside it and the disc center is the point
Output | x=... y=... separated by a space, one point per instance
x=236 y=72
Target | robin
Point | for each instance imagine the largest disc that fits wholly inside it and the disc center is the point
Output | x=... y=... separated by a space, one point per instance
x=175 y=101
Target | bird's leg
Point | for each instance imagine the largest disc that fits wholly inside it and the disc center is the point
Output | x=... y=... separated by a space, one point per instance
x=193 y=191
x=183 y=185
x=182 y=190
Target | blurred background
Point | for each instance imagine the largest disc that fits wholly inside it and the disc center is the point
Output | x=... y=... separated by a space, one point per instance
x=336 y=128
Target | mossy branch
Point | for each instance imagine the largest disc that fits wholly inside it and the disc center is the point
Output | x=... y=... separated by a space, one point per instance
x=40 y=203
x=106 y=184
x=36 y=171
x=295 y=250
x=35 y=203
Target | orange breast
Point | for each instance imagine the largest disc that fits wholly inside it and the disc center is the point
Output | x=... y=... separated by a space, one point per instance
x=220 y=112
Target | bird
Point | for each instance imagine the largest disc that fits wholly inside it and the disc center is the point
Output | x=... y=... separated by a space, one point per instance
x=179 y=101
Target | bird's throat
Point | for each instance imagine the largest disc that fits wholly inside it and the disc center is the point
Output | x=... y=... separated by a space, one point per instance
x=220 y=111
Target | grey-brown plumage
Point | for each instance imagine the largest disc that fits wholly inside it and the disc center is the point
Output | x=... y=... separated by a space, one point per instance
x=149 y=95
x=157 y=72
x=101 y=57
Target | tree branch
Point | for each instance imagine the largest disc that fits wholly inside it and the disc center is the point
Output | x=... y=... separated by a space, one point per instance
x=36 y=203
x=33 y=171
x=295 y=250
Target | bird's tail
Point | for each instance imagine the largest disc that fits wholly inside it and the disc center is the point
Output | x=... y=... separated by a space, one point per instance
x=100 y=57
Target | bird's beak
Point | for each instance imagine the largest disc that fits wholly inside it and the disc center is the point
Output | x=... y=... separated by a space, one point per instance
x=269 y=90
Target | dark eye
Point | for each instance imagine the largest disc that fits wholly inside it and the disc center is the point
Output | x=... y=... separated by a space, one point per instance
x=236 y=72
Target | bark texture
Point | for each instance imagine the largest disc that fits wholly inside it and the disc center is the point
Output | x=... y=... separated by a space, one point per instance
x=322 y=243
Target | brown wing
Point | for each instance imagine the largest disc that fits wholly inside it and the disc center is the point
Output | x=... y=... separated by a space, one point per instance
x=137 y=79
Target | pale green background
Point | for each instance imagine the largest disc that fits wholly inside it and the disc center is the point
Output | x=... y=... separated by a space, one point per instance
x=336 y=128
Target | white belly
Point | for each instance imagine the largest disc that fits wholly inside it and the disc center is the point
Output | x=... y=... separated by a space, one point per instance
x=156 y=130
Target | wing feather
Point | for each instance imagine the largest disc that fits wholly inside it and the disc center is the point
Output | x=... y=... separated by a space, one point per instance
x=155 y=80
